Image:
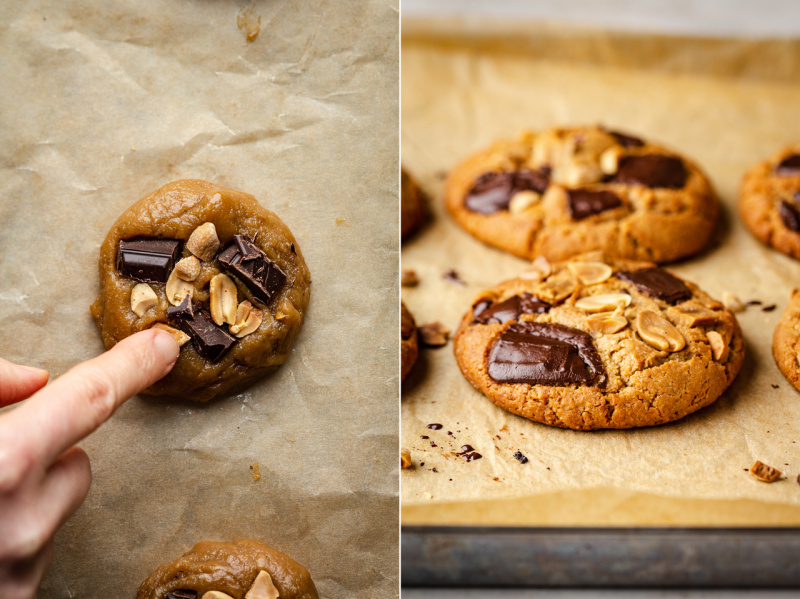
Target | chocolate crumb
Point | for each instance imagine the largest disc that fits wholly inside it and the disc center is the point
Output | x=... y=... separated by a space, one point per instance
x=421 y=464
x=434 y=470
x=408 y=278
x=769 y=308
x=775 y=387
x=453 y=277
x=424 y=437
x=433 y=334
x=522 y=459
x=754 y=303
x=435 y=426
x=798 y=479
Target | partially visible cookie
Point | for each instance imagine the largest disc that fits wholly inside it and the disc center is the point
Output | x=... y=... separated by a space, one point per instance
x=786 y=341
x=412 y=205
x=565 y=192
x=409 y=345
x=589 y=345
x=769 y=201
x=242 y=569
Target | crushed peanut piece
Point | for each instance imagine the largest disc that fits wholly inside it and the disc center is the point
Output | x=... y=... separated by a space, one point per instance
x=603 y=302
x=405 y=458
x=262 y=587
x=732 y=303
x=764 y=473
x=719 y=348
x=188 y=268
x=177 y=289
x=203 y=242
x=408 y=278
x=142 y=299
x=181 y=337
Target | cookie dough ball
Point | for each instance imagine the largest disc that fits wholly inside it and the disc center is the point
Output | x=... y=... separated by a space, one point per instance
x=566 y=192
x=412 y=205
x=222 y=274
x=590 y=345
x=786 y=341
x=769 y=201
x=242 y=569
x=409 y=345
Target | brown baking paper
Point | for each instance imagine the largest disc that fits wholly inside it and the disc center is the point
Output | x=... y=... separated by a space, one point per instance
x=103 y=103
x=725 y=103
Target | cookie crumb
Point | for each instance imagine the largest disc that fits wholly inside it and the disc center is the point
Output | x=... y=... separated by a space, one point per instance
x=453 y=277
x=764 y=473
x=408 y=278
x=433 y=334
x=250 y=22
x=522 y=459
x=255 y=471
x=732 y=303
x=405 y=458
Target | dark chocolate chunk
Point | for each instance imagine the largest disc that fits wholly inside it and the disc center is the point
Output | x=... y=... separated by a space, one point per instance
x=790 y=215
x=210 y=341
x=493 y=191
x=182 y=594
x=627 y=141
x=522 y=459
x=485 y=312
x=652 y=170
x=148 y=260
x=547 y=354
x=183 y=311
x=789 y=166
x=262 y=276
x=657 y=283
x=583 y=202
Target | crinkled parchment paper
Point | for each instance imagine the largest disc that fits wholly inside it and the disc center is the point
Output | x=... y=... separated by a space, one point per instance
x=725 y=103
x=102 y=103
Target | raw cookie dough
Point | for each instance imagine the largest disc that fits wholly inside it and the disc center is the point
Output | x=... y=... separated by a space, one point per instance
x=769 y=201
x=412 y=205
x=229 y=568
x=588 y=345
x=569 y=191
x=217 y=359
x=409 y=347
x=786 y=341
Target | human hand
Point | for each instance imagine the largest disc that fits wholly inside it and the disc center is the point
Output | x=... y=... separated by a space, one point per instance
x=44 y=477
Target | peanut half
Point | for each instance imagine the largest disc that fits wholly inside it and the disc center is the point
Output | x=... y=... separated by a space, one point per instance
x=142 y=298
x=188 y=268
x=658 y=332
x=603 y=302
x=590 y=273
x=223 y=300
x=177 y=289
x=203 y=242
x=606 y=323
x=262 y=587
x=216 y=595
x=247 y=320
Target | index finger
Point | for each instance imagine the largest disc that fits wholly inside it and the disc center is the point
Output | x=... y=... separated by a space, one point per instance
x=84 y=397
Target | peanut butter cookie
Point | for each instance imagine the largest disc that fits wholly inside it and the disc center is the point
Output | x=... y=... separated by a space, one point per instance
x=589 y=345
x=786 y=341
x=412 y=205
x=409 y=345
x=566 y=192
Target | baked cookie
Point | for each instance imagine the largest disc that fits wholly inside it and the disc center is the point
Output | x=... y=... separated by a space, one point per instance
x=769 y=201
x=222 y=274
x=242 y=569
x=412 y=205
x=566 y=192
x=589 y=345
x=409 y=345
x=786 y=341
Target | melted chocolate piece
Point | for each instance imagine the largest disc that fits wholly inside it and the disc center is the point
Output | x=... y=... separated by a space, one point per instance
x=181 y=594
x=652 y=170
x=789 y=166
x=147 y=260
x=484 y=312
x=545 y=354
x=249 y=264
x=627 y=141
x=657 y=283
x=522 y=459
x=583 y=203
x=492 y=192
x=790 y=215
x=210 y=341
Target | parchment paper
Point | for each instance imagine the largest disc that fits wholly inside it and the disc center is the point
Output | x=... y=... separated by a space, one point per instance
x=102 y=103
x=725 y=103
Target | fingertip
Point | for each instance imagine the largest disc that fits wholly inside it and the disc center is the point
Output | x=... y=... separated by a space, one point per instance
x=18 y=382
x=166 y=348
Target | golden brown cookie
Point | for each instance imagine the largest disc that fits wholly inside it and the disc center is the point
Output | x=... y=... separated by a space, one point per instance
x=409 y=346
x=222 y=274
x=769 y=201
x=589 y=345
x=786 y=341
x=566 y=192
x=242 y=569
x=412 y=205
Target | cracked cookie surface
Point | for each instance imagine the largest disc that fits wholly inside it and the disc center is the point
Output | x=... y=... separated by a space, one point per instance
x=409 y=345
x=565 y=192
x=591 y=345
x=786 y=341
x=229 y=568
x=769 y=201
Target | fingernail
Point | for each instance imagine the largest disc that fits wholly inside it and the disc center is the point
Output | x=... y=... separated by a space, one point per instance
x=31 y=370
x=166 y=347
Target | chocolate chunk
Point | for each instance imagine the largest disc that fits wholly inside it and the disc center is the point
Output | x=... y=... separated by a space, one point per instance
x=182 y=594
x=485 y=312
x=183 y=311
x=148 y=260
x=262 y=276
x=789 y=167
x=627 y=141
x=583 y=203
x=652 y=170
x=493 y=191
x=790 y=215
x=522 y=459
x=657 y=283
x=210 y=341
x=546 y=354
